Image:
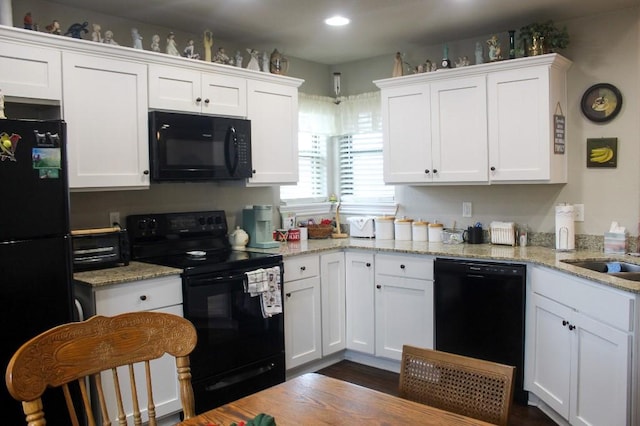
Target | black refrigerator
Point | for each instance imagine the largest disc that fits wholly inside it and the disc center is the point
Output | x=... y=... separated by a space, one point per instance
x=35 y=246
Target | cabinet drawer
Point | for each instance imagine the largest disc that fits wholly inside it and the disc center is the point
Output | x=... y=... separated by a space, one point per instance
x=143 y=295
x=420 y=267
x=301 y=267
x=608 y=305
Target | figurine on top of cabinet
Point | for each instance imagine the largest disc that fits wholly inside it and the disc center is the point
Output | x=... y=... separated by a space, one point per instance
x=238 y=59
x=479 y=53
x=495 y=51
x=221 y=57
x=172 y=49
x=397 y=65
x=265 y=61
x=253 y=61
x=2 y=116
x=54 y=28
x=155 y=43
x=96 y=35
x=189 y=51
x=462 y=62
x=136 y=38
x=28 y=21
x=76 y=30
x=108 y=38
x=207 y=41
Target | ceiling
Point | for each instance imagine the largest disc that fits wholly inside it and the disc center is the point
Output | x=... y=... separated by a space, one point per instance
x=377 y=27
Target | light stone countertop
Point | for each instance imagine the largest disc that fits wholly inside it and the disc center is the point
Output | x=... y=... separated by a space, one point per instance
x=531 y=254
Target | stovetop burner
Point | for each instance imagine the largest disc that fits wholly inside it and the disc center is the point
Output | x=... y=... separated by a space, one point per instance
x=196 y=242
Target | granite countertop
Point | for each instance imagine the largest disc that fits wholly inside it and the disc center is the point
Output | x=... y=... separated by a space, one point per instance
x=531 y=254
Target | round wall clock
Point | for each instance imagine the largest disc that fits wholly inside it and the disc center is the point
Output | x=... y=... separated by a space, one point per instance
x=601 y=102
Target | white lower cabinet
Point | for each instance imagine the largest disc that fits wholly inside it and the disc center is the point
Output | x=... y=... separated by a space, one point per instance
x=332 y=286
x=403 y=303
x=360 y=293
x=302 y=315
x=158 y=295
x=579 y=358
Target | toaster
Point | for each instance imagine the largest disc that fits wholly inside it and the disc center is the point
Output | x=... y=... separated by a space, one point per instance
x=361 y=226
x=99 y=248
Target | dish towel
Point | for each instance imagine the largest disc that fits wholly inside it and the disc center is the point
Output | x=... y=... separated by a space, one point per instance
x=266 y=284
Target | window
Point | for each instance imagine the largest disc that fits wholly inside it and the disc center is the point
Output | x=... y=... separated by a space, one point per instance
x=350 y=164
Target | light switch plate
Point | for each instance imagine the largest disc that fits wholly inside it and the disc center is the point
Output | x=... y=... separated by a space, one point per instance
x=578 y=212
x=114 y=218
x=467 y=209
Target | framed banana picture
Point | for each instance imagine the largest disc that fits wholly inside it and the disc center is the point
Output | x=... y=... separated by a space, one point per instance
x=602 y=152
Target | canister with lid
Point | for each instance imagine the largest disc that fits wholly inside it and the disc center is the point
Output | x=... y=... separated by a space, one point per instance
x=419 y=230
x=435 y=232
x=402 y=227
x=384 y=227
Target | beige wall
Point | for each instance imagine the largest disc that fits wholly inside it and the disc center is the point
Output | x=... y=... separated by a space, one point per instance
x=599 y=56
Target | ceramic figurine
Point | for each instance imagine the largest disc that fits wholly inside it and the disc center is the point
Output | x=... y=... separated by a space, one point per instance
x=108 y=38
x=189 y=51
x=207 y=41
x=28 y=21
x=265 y=62
x=2 y=116
x=238 y=59
x=397 y=66
x=479 y=53
x=76 y=30
x=96 y=35
x=462 y=62
x=136 y=38
x=155 y=43
x=172 y=49
x=495 y=51
x=54 y=28
x=278 y=64
x=221 y=57
x=253 y=61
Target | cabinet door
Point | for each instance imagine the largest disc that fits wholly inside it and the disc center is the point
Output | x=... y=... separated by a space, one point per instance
x=302 y=333
x=174 y=88
x=459 y=121
x=519 y=124
x=599 y=374
x=404 y=314
x=105 y=107
x=224 y=95
x=30 y=72
x=332 y=284
x=273 y=111
x=360 y=302
x=550 y=379
x=406 y=124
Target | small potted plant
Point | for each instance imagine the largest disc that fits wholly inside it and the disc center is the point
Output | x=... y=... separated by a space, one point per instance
x=542 y=37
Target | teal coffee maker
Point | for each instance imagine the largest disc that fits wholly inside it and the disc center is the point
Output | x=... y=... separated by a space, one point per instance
x=257 y=223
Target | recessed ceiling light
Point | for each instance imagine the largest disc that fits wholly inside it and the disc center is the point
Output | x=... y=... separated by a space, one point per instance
x=337 y=21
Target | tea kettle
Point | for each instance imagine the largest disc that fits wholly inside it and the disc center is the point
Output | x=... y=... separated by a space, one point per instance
x=278 y=64
x=238 y=239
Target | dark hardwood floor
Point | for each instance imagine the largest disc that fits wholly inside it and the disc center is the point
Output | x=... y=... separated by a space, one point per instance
x=387 y=382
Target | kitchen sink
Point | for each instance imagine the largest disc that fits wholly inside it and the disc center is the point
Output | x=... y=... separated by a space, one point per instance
x=628 y=271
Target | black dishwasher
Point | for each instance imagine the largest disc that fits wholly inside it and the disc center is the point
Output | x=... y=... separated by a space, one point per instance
x=479 y=312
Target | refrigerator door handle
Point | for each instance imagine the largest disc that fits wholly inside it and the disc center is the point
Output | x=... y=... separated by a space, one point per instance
x=79 y=310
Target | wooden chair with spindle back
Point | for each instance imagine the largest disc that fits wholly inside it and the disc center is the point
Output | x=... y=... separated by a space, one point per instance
x=463 y=385
x=71 y=353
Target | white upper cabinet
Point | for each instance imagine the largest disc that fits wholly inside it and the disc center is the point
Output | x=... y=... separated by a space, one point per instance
x=188 y=90
x=488 y=123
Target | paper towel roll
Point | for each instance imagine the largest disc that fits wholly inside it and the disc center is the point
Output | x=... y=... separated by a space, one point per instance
x=565 y=228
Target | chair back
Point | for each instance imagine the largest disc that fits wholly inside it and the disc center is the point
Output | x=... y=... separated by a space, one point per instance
x=472 y=387
x=68 y=355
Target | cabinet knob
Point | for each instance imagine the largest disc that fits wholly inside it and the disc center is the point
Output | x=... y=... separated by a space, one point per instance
x=493 y=169
x=198 y=99
x=253 y=171
x=303 y=268
x=206 y=101
x=288 y=295
x=427 y=171
x=572 y=327
x=146 y=172
x=402 y=266
x=564 y=323
x=435 y=171
x=143 y=297
x=378 y=286
x=368 y=264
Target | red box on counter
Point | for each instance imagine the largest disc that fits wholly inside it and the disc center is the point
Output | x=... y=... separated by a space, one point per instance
x=286 y=235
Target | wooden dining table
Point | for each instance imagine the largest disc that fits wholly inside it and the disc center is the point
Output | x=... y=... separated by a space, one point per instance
x=314 y=399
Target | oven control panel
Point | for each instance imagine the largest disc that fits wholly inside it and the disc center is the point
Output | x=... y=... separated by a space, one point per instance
x=174 y=225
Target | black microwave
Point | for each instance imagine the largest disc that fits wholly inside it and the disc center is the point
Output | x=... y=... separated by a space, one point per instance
x=188 y=147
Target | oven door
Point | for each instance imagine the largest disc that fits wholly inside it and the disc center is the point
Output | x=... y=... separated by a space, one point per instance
x=232 y=332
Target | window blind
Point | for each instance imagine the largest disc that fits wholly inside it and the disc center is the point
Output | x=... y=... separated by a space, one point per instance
x=312 y=169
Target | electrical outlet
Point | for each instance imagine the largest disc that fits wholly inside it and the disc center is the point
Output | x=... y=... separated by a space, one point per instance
x=578 y=212
x=114 y=218
x=466 y=209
